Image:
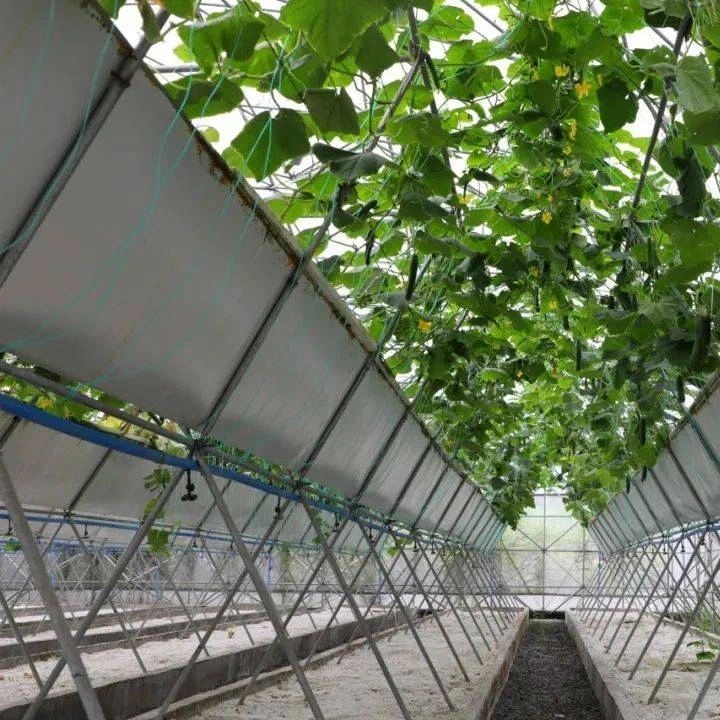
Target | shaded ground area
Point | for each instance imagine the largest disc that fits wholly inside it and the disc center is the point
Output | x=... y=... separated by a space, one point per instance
x=547 y=680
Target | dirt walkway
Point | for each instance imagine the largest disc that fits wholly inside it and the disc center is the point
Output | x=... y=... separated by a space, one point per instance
x=547 y=680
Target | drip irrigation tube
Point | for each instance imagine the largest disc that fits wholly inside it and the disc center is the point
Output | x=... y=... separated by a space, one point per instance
x=107 y=440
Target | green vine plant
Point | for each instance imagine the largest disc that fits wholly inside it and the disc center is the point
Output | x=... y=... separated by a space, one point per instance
x=70 y=408
x=398 y=544
x=324 y=530
x=158 y=537
x=706 y=652
x=12 y=546
x=285 y=549
x=542 y=172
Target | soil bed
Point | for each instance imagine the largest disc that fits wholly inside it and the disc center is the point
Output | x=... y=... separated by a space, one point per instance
x=356 y=689
x=547 y=681
x=682 y=683
x=17 y=684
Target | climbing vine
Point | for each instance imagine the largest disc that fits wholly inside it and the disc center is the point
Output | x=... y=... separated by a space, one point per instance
x=542 y=172
x=158 y=537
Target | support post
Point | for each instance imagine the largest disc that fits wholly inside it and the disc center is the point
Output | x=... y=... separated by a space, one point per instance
x=70 y=650
x=260 y=588
x=332 y=562
x=408 y=619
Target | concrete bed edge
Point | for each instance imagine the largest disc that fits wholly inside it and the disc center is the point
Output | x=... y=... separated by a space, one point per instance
x=481 y=707
x=190 y=706
x=612 y=700
x=489 y=690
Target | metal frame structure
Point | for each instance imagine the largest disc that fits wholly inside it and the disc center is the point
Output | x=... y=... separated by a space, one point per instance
x=548 y=542
x=659 y=566
x=339 y=394
x=338 y=476
x=171 y=286
x=457 y=578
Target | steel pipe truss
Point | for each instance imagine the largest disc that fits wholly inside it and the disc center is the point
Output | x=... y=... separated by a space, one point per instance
x=654 y=607
x=60 y=573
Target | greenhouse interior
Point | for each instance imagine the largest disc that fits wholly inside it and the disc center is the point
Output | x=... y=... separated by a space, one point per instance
x=471 y=248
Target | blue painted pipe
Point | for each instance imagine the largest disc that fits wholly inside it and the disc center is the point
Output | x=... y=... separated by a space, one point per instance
x=33 y=414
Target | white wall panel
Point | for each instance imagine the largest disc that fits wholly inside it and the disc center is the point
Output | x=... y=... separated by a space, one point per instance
x=54 y=62
x=46 y=467
x=149 y=277
x=359 y=436
x=297 y=379
x=420 y=489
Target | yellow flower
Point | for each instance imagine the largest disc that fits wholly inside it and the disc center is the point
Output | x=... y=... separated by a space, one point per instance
x=547 y=217
x=567 y=150
x=424 y=325
x=45 y=403
x=582 y=89
x=562 y=71
x=552 y=305
x=567 y=172
x=573 y=129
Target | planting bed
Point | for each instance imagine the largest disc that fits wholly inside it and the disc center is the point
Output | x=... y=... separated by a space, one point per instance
x=105 y=636
x=17 y=684
x=681 y=684
x=35 y=621
x=355 y=688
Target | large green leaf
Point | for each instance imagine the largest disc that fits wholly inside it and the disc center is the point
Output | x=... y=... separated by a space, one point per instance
x=697 y=242
x=535 y=39
x=423 y=129
x=231 y=35
x=416 y=206
x=430 y=245
x=621 y=16
x=447 y=23
x=331 y=25
x=671 y=8
x=541 y=9
x=694 y=84
x=182 y=8
x=436 y=175
x=618 y=105
x=200 y=98
x=332 y=110
x=681 y=274
x=373 y=54
x=691 y=185
x=268 y=141
x=303 y=70
x=711 y=34
x=542 y=94
x=575 y=27
x=348 y=165
x=704 y=127
x=467 y=82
